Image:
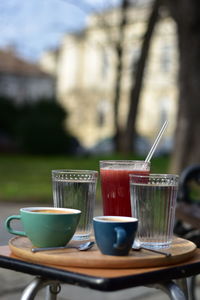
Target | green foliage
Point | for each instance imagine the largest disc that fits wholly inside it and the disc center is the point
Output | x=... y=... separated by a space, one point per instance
x=8 y=116
x=40 y=128
x=37 y=127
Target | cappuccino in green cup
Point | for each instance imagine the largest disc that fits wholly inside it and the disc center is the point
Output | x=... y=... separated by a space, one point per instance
x=46 y=226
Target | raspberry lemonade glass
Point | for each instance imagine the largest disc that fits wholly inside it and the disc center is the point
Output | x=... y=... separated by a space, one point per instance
x=114 y=175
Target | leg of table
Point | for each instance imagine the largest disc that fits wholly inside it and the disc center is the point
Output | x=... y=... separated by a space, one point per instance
x=183 y=284
x=37 y=284
x=52 y=291
x=191 y=287
x=172 y=290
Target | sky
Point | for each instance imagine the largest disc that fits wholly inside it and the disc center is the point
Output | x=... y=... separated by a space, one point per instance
x=33 y=26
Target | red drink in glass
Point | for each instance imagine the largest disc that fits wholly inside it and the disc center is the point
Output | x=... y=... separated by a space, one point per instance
x=115 y=185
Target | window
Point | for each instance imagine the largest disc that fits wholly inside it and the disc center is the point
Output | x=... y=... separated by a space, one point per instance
x=165 y=59
x=135 y=57
x=103 y=108
x=105 y=64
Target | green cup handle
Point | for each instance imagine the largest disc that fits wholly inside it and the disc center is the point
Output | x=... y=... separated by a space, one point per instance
x=9 y=228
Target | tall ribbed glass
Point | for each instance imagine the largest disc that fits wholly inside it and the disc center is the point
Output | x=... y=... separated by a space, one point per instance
x=76 y=189
x=153 y=202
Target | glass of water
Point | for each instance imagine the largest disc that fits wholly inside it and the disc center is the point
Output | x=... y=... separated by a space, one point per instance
x=76 y=189
x=153 y=202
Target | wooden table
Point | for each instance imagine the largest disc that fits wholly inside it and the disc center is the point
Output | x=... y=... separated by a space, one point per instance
x=102 y=279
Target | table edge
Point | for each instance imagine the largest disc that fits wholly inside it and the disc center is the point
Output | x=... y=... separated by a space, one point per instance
x=98 y=282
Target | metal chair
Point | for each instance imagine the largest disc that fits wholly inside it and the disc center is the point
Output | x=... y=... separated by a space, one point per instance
x=188 y=208
x=188 y=211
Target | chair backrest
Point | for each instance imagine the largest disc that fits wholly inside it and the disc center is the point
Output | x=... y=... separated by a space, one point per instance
x=189 y=185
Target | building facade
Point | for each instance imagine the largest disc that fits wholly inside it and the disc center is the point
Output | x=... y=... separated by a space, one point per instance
x=22 y=80
x=85 y=68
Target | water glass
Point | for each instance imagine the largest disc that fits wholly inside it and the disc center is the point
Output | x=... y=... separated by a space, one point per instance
x=153 y=202
x=76 y=189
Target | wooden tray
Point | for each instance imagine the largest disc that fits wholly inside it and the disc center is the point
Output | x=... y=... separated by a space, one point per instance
x=180 y=249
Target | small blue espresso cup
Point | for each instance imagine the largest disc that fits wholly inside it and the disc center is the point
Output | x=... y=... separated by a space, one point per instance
x=115 y=235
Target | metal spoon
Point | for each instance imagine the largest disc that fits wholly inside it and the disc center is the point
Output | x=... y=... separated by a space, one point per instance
x=136 y=246
x=81 y=247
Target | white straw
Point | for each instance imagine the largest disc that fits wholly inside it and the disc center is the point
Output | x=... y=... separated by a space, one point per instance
x=155 y=144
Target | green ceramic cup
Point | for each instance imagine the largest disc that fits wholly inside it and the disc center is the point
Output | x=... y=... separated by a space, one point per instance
x=46 y=226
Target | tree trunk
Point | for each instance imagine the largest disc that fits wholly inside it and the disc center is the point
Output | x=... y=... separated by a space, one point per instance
x=119 y=49
x=187 y=135
x=137 y=78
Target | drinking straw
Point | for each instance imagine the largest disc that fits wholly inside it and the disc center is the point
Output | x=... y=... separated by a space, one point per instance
x=157 y=140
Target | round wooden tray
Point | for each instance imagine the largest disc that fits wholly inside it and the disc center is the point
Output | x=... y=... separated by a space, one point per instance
x=180 y=249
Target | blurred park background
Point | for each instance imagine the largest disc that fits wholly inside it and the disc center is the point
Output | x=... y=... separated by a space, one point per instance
x=82 y=81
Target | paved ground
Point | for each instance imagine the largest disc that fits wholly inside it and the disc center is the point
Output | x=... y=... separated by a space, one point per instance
x=13 y=283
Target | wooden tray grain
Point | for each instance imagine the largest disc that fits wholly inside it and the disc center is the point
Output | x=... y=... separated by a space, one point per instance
x=181 y=250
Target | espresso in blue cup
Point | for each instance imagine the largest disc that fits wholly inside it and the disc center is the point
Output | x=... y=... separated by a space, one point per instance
x=115 y=235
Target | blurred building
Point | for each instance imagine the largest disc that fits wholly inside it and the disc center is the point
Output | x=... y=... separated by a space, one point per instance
x=22 y=80
x=85 y=68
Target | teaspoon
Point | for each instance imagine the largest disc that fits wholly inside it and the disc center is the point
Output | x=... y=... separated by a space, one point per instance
x=81 y=247
x=136 y=246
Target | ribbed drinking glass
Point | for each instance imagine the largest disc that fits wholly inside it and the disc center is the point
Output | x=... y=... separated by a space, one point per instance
x=76 y=189
x=153 y=202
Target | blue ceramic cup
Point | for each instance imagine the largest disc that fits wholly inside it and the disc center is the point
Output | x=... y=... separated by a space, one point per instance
x=115 y=235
